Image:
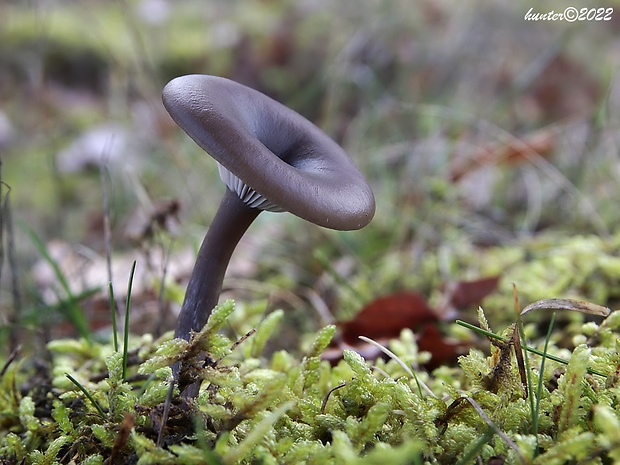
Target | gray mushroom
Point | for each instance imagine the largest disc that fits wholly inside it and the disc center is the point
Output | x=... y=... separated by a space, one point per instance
x=270 y=158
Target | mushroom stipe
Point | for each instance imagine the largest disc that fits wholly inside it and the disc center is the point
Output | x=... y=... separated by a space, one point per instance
x=271 y=158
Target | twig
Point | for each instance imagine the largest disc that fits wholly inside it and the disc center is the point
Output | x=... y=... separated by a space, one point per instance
x=2 y=205
x=6 y=225
x=9 y=360
x=162 y=287
x=17 y=297
x=166 y=413
x=329 y=393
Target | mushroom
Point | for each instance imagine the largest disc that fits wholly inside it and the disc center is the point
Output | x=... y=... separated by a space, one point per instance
x=270 y=158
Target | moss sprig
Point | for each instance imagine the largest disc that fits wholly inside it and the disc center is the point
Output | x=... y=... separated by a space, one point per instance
x=285 y=409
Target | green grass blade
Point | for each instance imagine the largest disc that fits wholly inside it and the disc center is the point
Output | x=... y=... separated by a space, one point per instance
x=540 y=379
x=528 y=371
x=527 y=348
x=126 y=330
x=87 y=394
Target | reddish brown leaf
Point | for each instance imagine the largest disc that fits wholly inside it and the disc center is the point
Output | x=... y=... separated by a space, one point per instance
x=387 y=316
x=384 y=319
x=515 y=151
x=463 y=294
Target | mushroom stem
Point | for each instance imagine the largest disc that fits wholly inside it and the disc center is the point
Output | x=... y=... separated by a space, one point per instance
x=229 y=224
x=231 y=221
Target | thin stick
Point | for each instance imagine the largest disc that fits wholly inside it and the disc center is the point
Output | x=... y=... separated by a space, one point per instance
x=2 y=206
x=17 y=296
x=329 y=393
x=10 y=360
x=10 y=239
x=166 y=412
x=6 y=222
x=162 y=288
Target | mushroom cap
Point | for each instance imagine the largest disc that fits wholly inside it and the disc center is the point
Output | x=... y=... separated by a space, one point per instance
x=273 y=150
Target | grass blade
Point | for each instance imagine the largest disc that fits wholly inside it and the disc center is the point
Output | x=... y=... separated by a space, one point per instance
x=528 y=371
x=527 y=348
x=540 y=377
x=126 y=329
x=87 y=394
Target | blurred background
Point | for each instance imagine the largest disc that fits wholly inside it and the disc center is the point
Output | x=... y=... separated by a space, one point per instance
x=491 y=143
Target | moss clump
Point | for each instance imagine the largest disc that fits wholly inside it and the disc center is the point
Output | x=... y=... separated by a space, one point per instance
x=284 y=409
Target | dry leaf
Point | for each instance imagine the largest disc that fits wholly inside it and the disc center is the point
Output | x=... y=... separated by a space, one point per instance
x=387 y=316
x=463 y=294
x=384 y=319
x=515 y=151
x=568 y=304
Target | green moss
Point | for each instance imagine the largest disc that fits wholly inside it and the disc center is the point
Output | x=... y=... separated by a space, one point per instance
x=284 y=409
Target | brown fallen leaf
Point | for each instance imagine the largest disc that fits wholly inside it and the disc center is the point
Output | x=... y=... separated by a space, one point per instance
x=384 y=319
x=464 y=294
x=568 y=304
x=387 y=316
x=517 y=150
